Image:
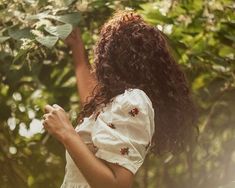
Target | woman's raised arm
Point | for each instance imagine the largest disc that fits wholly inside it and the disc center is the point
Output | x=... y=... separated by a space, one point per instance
x=85 y=79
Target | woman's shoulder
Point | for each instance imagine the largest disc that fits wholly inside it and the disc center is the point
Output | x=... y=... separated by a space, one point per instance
x=133 y=96
x=131 y=99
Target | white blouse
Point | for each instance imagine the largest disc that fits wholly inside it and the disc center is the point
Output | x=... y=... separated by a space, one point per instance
x=120 y=133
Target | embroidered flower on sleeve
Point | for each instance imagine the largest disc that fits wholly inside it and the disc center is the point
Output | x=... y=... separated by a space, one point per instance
x=111 y=125
x=124 y=151
x=134 y=112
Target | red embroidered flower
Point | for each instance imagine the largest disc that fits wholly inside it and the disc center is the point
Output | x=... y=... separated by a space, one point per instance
x=134 y=112
x=124 y=151
x=96 y=115
x=111 y=126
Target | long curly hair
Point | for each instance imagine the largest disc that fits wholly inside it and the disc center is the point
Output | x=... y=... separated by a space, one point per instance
x=133 y=54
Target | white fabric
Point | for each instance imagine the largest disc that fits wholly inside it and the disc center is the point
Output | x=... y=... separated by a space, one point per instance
x=119 y=133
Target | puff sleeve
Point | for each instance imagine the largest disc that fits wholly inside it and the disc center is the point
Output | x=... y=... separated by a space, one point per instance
x=122 y=133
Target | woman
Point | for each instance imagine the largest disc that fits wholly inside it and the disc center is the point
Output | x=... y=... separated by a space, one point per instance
x=134 y=99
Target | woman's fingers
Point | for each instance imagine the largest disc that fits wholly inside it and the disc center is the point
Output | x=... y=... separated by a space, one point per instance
x=48 y=108
x=70 y=37
x=57 y=106
x=44 y=123
x=56 y=121
x=44 y=117
x=74 y=38
x=52 y=109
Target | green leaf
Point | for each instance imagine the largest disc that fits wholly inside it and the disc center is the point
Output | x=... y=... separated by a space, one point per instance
x=230 y=23
x=67 y=2
x=48 y=41
x=31 y=1
x=30 y=180
x=22 y=53
x=153 y=15
x=201 y=81
x=232 y=38
x=18 y=34
x=72 y=18
x=39 y=16
x=226 y=51
x=3 y=39
x=61 y=31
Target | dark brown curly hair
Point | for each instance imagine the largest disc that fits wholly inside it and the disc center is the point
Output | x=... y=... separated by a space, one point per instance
x=133 y=54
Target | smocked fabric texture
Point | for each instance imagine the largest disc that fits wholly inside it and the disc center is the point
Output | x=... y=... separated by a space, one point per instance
x=119 y=133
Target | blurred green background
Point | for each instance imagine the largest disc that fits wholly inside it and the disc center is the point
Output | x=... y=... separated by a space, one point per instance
x=36 y=68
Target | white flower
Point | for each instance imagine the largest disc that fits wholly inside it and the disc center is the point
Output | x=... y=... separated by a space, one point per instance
x=37 y=33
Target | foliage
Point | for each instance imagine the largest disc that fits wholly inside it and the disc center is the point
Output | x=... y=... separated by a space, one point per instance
x=36 y=68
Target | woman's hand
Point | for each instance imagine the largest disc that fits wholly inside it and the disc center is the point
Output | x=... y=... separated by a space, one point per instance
x=74 y=40
x=86 y=81
x=56 y=122
x=75 y=43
